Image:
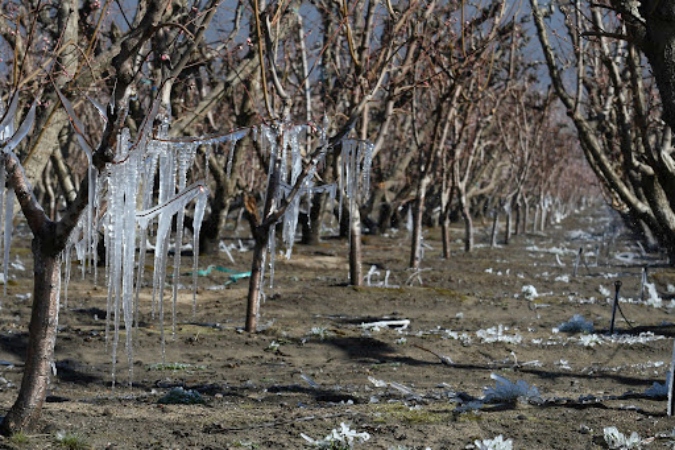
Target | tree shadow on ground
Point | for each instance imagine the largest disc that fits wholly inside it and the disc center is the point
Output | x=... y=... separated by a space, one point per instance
x=15 y=343
x=368 y=349
x=67 y=370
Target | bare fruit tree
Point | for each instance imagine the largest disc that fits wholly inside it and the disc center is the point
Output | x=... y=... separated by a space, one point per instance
x=623 y=124
x=122 y=66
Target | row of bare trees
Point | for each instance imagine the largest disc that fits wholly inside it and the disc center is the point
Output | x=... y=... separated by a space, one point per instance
x=442 y=90
x=459 y=122
x=610 y=68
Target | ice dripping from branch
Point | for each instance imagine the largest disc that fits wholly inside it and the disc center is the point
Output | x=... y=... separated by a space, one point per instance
x=133 y=213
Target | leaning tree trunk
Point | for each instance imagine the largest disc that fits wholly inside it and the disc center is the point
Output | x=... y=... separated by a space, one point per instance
x=25 y=412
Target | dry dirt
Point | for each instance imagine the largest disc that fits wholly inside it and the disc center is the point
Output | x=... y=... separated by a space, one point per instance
x=315 y=366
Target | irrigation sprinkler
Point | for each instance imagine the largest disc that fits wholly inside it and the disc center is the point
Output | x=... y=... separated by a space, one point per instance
x=617 y=287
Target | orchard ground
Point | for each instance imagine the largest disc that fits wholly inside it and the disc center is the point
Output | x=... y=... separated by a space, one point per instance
x=314 y=365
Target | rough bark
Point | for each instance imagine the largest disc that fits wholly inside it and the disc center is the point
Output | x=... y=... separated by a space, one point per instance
x=255 y=281
x=25 y=413
x=311 y=221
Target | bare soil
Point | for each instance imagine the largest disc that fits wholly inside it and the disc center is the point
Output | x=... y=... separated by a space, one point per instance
x=315 y=366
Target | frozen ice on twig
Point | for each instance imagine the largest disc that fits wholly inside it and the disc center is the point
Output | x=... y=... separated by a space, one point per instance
x=604 y=291
x=224 y=248
x=653 y=298
x=376 y=326
x=590 y=340
x=498 y=443
x=344 y=435
x=397 y=386
x=529 y=292
x=506 y=391
x=617 y=440
x=373 y=276
x=313 y=384
x=496 y=334
x=378 y=383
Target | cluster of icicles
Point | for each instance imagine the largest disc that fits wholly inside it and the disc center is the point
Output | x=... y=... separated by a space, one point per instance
x=353 y=179
x=128 y=184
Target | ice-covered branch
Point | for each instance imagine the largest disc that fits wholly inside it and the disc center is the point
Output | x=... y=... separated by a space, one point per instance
x=307 y=171
x=17 y=180
x=14 y=173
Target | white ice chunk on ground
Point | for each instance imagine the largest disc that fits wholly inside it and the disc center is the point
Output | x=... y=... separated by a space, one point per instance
x=529 y=292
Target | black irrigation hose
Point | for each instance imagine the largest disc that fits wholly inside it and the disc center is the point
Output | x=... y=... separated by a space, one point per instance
x=630 y=325
x=617 y=305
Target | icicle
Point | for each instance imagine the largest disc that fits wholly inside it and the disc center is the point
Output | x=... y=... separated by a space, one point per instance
x=171 y=206
x=7 y=124
x=262 y=280
x=131 y=176
x=200 y=207
x=367 y=157
x=166 y=178
x=66 y=260
x=89 y=225
x=271 y=249
x=230 y=157
x=149 y=168
x=96 y=225
x=218 y=139
x=184 y=155
x=22 y=131
x=9 y=212
x=3 y=177
x=166 y=189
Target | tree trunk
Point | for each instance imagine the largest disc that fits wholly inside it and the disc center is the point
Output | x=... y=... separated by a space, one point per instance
x=468 y=223
x=311 y=222
x=519 y=216
x=446 y=200
x=25 y=412
x=507 y=230
x=384 y=217
x=445 y=236
x=526 y=215
x=418 y=212
x=495 y=226
x=255 y=281
x=355 y=253
x=543 y=217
